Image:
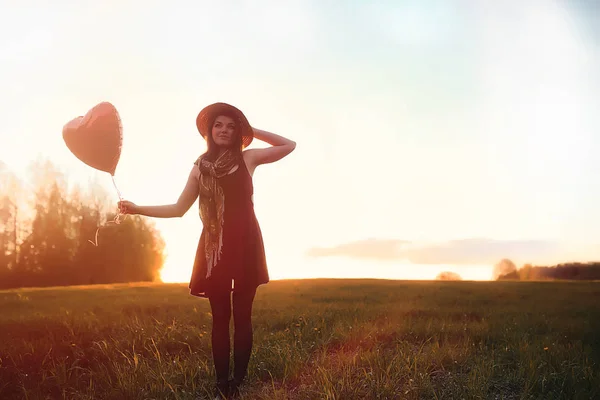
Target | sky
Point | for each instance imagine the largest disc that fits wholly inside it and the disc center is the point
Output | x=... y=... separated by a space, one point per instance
x=431 y=136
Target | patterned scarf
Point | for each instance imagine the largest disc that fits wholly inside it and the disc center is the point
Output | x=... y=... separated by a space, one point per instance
x=212 y=203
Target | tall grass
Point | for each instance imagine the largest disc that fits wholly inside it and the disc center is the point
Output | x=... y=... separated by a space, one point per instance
x=314 y=339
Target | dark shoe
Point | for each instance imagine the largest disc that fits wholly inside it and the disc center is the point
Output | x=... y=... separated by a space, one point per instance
x=234 y=388
x=221 y=390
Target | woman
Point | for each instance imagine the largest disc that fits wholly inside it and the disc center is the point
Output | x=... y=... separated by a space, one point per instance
x=230 y=257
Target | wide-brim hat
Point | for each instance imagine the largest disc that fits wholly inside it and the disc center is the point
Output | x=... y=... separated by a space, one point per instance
x=209 y=113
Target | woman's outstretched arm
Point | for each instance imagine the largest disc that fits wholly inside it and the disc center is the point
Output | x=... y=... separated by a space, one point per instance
x=280 y=147
x=178 y=209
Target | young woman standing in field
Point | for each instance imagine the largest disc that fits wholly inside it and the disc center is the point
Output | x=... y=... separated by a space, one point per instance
x=230 y=257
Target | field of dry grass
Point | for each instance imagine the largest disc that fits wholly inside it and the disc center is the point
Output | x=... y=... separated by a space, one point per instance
x=314 y=339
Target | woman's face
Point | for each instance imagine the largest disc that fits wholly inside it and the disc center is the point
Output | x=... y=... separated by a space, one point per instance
x=223 y=131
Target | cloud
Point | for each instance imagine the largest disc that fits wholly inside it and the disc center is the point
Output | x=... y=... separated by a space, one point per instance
x=479 y=251
x=379 y=249
x=464 y=251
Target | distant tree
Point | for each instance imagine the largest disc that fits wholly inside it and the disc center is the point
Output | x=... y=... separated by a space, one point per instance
x=504 y=267
x=88 y=216
x=11 y=220
x=530 y=273
x=48 y=250
x=448 y=276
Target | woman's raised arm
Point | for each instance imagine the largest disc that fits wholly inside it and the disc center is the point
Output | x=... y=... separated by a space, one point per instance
x=280 y=147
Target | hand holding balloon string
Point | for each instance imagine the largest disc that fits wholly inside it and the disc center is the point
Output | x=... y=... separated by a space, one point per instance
x=117 y=219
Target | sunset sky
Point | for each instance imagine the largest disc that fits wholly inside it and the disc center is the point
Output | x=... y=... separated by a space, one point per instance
x=431 y=135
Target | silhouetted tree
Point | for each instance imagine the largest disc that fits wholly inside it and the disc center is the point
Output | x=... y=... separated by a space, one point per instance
x=448 y=276
x=11 y=216
x=504 y=267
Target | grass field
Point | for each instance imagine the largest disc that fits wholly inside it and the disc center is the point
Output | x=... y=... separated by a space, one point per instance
x=316 y=339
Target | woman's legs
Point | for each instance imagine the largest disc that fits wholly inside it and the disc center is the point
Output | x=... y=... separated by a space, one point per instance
x=221 y=314
x=242 y=338
x=242 y=315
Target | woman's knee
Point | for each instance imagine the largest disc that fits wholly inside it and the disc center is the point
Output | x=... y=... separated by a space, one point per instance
x=221 y=310
x=242 y=311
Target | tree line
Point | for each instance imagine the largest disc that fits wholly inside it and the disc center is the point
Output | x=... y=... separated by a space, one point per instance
x=48 y=234
x=506 y=270
x=565 y=271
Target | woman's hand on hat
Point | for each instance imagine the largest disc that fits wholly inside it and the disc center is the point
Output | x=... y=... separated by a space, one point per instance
x=280 y=147
x=128 y=207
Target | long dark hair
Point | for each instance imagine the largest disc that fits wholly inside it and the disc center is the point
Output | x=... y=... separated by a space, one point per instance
x=212 y=149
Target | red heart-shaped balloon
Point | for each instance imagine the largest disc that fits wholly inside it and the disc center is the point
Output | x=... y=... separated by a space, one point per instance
x=96 y=138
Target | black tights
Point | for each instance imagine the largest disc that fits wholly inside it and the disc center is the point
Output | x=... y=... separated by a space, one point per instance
x=242 y=338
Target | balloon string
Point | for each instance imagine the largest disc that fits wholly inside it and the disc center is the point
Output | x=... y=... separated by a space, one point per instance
x=115 y=185
x=117 y=220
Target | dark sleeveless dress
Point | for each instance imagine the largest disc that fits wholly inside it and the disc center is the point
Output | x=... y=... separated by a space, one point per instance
x=243 y=262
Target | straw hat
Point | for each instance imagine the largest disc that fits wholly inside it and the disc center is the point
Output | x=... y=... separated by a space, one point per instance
x=209 y=113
